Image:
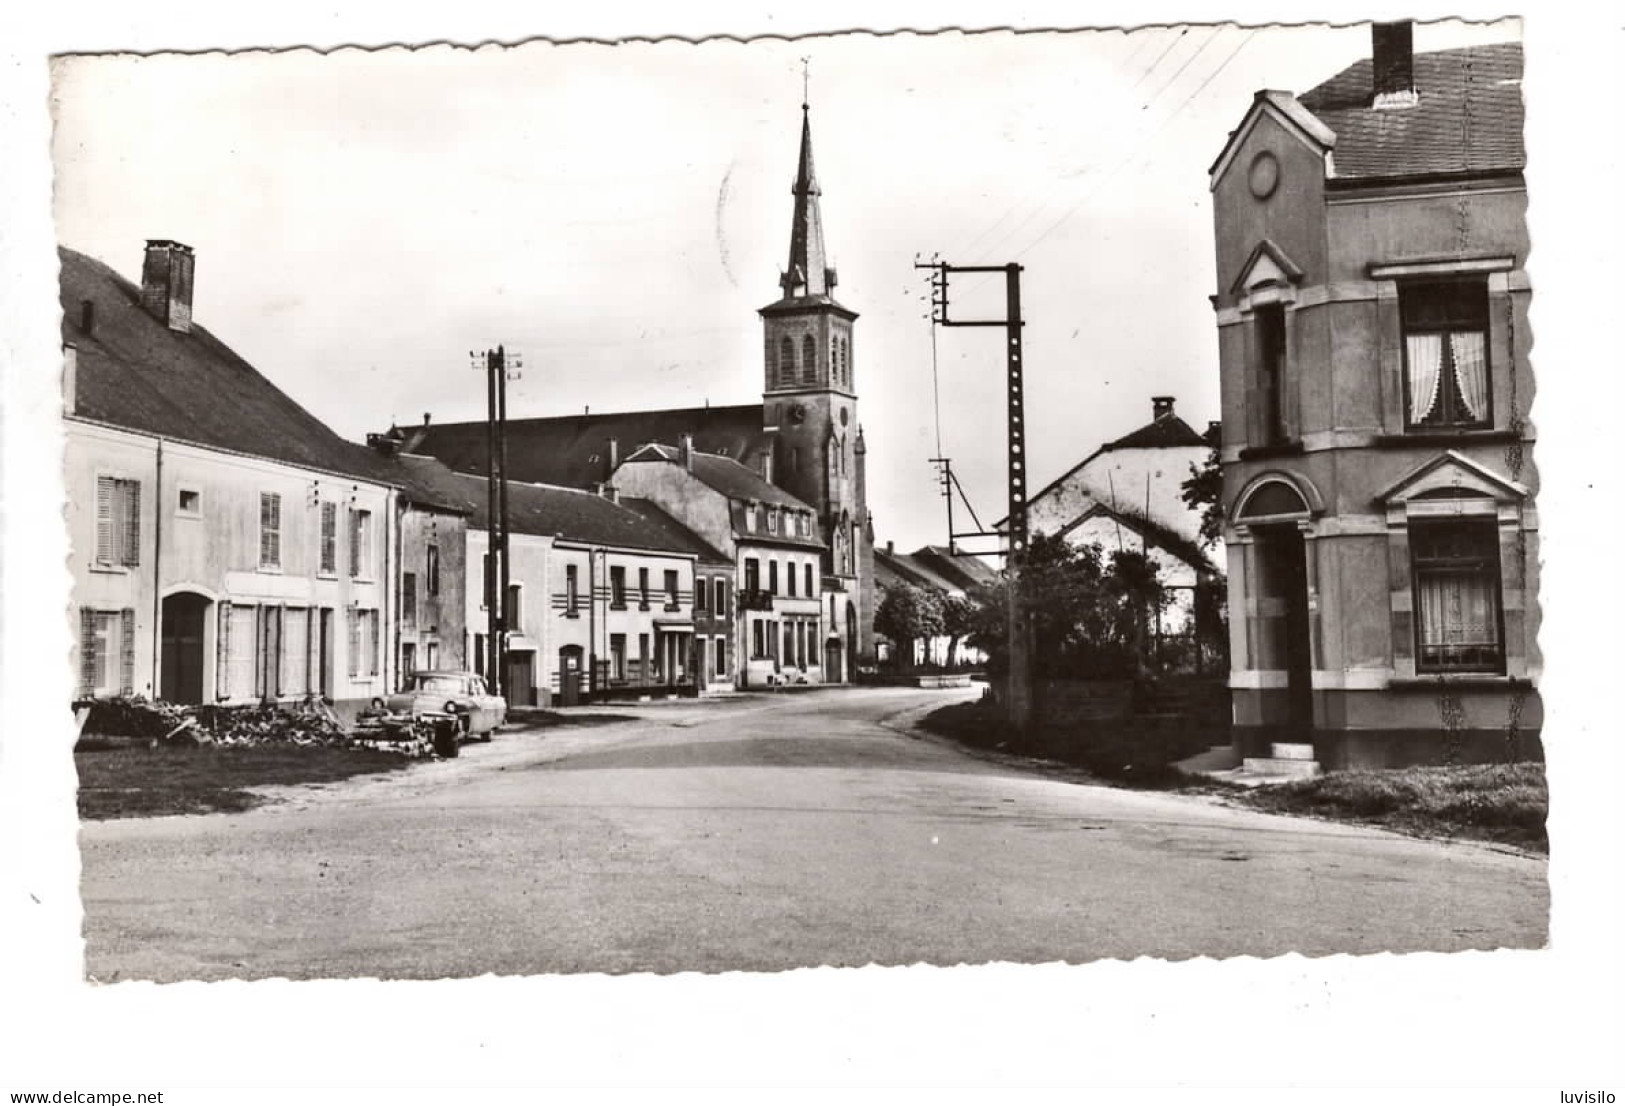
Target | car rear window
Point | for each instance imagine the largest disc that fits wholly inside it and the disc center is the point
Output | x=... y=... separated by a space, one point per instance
x=447 y=685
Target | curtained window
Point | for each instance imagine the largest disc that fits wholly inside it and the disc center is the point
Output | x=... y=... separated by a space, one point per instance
x=1456 y=572
x=1446 y=326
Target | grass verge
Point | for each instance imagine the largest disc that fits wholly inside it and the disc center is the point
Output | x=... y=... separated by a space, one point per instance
x=1505 y=803
x=1111 y=757
x=140 y=782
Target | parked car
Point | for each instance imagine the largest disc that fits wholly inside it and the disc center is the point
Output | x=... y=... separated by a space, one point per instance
x=462 y=694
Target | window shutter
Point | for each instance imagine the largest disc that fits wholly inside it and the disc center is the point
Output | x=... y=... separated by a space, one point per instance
x=131 y=536
x=355 y=545
x=87 y=652
x=105 y=492
x=372 y=642
x=126 y=651
x=330 y=525
x=353 y=627
x=222 y=663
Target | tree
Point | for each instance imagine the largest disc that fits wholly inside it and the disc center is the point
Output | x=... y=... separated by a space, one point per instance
x=1088 y=612
x=1204 y=492
x=958 y=620
x=908 y=613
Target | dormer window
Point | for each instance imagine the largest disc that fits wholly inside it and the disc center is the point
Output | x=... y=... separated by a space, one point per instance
x=750 y=517
x=772 y=521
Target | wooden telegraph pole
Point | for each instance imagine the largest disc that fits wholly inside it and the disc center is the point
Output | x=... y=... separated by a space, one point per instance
x=498 y=612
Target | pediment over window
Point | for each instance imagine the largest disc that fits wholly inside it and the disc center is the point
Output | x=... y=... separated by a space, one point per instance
x=1452 y=476
x=1267 y=265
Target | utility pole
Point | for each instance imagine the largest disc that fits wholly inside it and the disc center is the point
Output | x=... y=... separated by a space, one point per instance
x=1019 y=679
x=498 y=612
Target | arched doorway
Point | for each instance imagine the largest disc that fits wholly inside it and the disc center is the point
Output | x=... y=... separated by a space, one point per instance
x=180 y=668
x=1274 y=513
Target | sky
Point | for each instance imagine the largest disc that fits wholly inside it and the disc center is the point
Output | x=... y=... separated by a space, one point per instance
x=616 y=214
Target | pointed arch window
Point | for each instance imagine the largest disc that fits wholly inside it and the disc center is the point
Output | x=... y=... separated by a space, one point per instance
x=809 y=359
x=787 y=360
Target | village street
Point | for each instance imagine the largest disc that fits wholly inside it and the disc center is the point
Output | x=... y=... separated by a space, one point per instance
x=761 y=833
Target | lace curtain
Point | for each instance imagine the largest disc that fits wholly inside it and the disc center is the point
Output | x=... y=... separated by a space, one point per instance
x=1456 y=608
x=1424 y=355
x=1467 y=351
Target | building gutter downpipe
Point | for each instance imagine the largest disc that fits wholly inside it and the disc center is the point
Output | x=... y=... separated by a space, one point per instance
x=157 y=576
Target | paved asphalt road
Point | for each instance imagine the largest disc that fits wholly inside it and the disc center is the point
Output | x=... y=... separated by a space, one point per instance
x=762 y=834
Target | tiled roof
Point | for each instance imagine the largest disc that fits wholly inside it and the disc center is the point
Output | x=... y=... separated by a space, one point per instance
x=573 y=450
x=549 y=511
x=425 y=482
x=136 y=373
x=964 y=571
x=676 y=534
x=1468 y=117
x=1170 y=430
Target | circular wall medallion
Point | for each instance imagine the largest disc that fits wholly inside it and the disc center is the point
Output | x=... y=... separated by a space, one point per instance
x=1263 y=175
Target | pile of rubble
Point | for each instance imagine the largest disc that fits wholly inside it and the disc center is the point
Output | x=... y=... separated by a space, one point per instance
x=311 y=723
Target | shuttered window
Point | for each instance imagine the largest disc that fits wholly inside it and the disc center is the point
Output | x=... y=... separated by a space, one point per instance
x=409 y=598
x=295 y=651
x=118 y=521
x=330 y=538
x=373 y=652
x=352 y=626
x=241 y=639
x=360 y=541
x=270 y=530
x=106 y=652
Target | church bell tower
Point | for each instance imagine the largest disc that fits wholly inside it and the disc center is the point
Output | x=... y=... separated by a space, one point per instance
x=809 y=398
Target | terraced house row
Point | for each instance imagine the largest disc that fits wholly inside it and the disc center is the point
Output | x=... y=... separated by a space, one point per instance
x=227 y=546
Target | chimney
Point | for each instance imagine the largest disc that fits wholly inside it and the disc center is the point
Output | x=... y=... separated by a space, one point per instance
x=767 y=464
x=1392 y=82
x=166 y=283
x=614 y=454
x=1162 y=406
x=70 y=379
x=411 y=441
x=610 y=492
x=891 y=548
x=685 y=451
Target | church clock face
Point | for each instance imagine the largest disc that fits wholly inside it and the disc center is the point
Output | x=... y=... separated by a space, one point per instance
x=798 y=413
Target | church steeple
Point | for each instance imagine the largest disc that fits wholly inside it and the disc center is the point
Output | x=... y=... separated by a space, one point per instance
x=808 y=273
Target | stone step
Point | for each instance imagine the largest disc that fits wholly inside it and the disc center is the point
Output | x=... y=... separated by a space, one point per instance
x=1286 y=767
x=1285 y=751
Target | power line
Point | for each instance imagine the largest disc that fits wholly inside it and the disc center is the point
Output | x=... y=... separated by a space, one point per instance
x=1183 y=31
x=969 y=246
x=1194 y=55
x=1133 y=153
